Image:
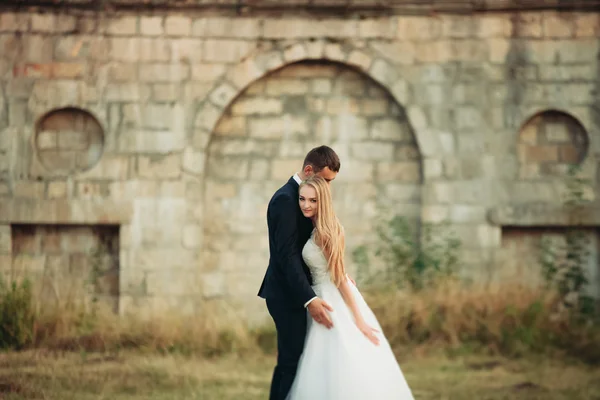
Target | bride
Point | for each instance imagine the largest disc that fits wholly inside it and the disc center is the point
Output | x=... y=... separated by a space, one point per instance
x=352 y=360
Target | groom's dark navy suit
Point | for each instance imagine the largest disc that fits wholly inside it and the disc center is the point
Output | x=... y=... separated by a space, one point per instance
x=287 y=283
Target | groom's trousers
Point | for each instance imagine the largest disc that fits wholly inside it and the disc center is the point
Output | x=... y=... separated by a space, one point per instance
x=291 y=333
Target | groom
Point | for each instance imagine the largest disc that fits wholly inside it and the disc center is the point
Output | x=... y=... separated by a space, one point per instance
x=287 y=283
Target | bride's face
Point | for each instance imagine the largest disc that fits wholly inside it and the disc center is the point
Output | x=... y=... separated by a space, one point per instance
x=308 y=201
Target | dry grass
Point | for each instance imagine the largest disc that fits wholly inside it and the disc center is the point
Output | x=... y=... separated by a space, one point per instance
x=508 y=319
x=136 y=376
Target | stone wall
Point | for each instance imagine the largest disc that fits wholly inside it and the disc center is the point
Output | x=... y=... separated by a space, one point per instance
x=178 y=127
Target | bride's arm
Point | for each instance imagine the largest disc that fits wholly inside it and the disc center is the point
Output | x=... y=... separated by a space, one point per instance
x=346 y=292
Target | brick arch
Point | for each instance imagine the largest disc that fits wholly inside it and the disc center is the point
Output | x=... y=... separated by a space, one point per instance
x=260 y=64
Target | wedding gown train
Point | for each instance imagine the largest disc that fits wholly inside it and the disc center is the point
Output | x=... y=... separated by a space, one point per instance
x=341 y=363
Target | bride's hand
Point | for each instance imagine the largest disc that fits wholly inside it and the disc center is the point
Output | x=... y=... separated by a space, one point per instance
x=368 y=332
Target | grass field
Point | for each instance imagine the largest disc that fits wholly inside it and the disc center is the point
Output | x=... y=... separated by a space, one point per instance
x=135 y=376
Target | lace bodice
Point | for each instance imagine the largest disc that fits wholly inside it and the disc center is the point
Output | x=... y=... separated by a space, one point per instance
x=315 y=259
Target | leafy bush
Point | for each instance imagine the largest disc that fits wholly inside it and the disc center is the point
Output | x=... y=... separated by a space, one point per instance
x=17 y=316
x=413 y=254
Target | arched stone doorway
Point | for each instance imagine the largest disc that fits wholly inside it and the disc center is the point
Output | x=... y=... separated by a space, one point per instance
x=260 y=141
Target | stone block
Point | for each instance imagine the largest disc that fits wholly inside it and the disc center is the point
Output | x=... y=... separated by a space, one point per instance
x=29 y=189
x=122 y=72
x=489 y=236
x=256 y=106
x=288 y=28
x=279 y=87
x=401 y=192
x=207 y=72
x=122 y=26
x=277 y=127
x=43 y=23
x=57 y=189
x=160 y=167
x=166 y=92
x=37 y=49
x=398 y=171
x=231 y=126
x=378 y=28
x=565 y=73
x=14 y=22
x=419 y=28
x=435 y=214
x=192 y=236
x=223 y=94
x=294 y=53
x=587 y=25
x=432 y=168
x=230 y=168
x=259 y=170
x=342 y=105
x=151 y=141
x=458 y=26
x=281 y=170
x=244 y=73
x=124 y=49
x=402 y=53
x=151 y=26
x=493 y=26
x=193 y=161
x=335 y=52
x=154 y=49
x=417 y=117
x=176 y=25
x=225 y=51
x=529 y=25
x=208 y=116
x=186 y=50
x=196 y=91
x=557 y=25
x=218 y=27
x=390 y=129
x=341 y=128
x=164 y=72
x=110 y=167
x=372 y=151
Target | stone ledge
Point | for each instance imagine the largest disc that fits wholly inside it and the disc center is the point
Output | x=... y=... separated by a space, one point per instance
x=544 y=215
x=31 y=211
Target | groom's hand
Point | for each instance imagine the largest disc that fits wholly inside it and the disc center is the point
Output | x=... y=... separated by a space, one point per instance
x=318 y=311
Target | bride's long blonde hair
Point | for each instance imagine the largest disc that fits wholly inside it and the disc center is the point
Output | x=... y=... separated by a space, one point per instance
x=329 y=233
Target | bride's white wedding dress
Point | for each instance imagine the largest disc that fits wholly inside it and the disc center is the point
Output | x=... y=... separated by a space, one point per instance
x=341 y=363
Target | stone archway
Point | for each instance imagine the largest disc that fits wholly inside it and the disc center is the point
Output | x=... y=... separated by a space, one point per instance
x=363 y=59
x=260 y=141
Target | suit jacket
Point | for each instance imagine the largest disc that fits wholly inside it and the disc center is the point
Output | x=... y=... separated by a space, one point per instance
x=287 y=279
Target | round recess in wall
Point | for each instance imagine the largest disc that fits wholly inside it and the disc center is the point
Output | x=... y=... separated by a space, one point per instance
x=69 y=140
x=549 y=142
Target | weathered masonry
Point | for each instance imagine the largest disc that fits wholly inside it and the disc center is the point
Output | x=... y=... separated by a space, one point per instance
x=141 y=145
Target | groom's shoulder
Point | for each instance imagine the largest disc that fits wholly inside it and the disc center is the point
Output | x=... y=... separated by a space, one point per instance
x=284 y=192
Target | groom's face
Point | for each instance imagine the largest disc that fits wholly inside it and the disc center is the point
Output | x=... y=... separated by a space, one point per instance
x=325 y=173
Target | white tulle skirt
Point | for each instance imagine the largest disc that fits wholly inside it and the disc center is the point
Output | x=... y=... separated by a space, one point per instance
x=341 y=363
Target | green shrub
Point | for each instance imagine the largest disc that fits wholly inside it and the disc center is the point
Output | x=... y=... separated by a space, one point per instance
x=17 y=316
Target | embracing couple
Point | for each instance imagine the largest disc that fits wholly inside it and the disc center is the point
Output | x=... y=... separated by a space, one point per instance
x=329 y=343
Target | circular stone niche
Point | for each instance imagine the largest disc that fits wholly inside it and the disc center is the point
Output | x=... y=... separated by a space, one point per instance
x=69 y=140
x=549 y=142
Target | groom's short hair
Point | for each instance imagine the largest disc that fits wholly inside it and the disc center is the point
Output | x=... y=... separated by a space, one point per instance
x=321 y=157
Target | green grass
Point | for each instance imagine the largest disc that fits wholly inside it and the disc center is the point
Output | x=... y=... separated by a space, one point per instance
x=39 y=374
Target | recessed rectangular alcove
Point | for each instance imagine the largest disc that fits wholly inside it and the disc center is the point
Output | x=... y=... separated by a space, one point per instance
x=529 y=229
x=69 y=263
x=69 y=249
